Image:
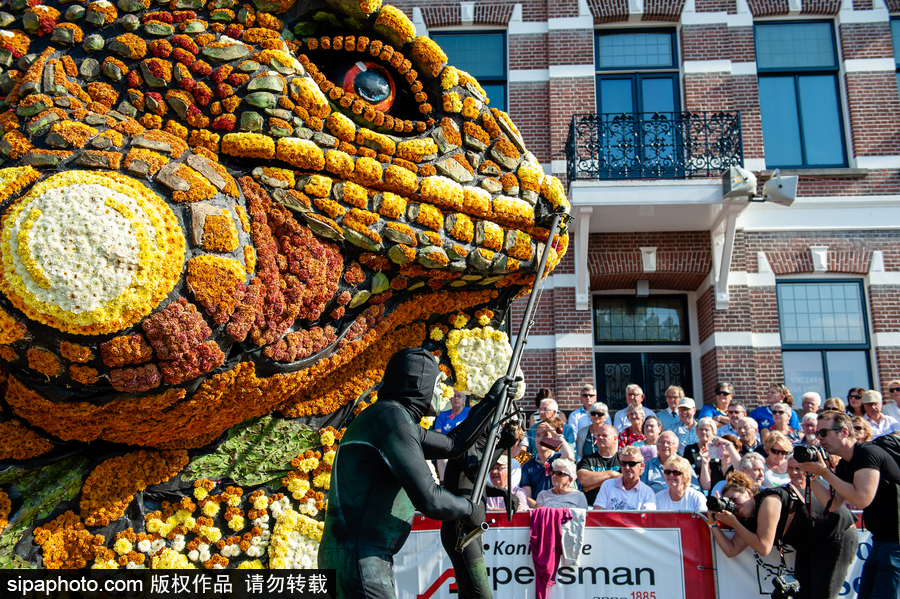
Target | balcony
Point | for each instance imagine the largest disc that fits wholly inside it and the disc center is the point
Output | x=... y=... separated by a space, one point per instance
x=659 y=145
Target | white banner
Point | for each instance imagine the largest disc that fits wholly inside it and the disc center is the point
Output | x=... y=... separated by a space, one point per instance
x=624 y=556
x=617 y=561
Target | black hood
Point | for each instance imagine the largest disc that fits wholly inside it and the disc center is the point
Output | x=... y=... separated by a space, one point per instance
x=409 y=380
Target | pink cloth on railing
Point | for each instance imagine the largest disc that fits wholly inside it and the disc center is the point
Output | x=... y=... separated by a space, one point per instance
x=546 y=546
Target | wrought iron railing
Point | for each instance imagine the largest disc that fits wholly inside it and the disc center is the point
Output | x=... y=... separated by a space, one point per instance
x=674 y=145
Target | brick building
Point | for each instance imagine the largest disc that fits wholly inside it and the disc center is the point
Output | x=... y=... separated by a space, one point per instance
x=638 y=105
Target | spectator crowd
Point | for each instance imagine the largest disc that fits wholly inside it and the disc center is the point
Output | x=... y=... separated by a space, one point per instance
x=674 y=459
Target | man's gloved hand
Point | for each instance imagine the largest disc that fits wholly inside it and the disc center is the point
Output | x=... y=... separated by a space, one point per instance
x=508 y=438
x=493 y=396
x=514 y=502
x=476 y=518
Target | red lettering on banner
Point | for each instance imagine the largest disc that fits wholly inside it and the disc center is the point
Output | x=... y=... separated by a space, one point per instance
x=437 y=584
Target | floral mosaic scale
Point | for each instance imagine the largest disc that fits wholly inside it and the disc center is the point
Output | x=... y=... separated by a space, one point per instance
x=219 y=220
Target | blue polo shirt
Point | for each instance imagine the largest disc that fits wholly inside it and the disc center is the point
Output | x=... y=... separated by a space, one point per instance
x=446 y=422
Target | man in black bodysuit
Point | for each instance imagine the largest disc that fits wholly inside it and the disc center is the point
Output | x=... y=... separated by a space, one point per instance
x=380 y=476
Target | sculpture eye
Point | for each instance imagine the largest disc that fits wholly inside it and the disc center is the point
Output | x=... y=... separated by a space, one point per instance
x=370 y=82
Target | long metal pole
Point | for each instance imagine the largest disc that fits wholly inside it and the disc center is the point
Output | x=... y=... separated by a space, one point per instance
x=478 y=490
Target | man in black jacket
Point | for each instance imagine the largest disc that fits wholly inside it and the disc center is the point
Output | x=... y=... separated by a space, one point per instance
x=380 y=476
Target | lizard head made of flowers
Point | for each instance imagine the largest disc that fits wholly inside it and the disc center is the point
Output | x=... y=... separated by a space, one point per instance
x=216 y=211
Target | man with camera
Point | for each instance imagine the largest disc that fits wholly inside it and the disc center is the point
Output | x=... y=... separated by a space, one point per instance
x=868 y=477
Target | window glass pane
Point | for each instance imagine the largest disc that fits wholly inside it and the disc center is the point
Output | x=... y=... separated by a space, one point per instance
x=651 y=320
x=480 y=55
x=895 y=38
x=496 y=92
x=781 y=126
x=846 y=369
x=616 y=96
x=821 y=313
x=821 y=119
x=794 y=45
x=621 y=50
x=657 y=94
x=803 y=372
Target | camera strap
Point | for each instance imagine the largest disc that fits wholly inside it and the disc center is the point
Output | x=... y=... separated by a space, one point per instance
x=807 y=495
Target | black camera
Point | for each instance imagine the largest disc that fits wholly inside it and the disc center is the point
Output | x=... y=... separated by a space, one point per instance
x=785 y=586
x=719 y=504
x=804 y=454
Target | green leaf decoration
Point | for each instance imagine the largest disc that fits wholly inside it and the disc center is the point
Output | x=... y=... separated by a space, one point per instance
x=255 y=452
x=305 y=28
x=44 y=490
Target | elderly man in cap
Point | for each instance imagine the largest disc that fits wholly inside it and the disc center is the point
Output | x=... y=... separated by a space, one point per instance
x=634 y=396
x=587 y=435
x=880 y=423
x=686 y=429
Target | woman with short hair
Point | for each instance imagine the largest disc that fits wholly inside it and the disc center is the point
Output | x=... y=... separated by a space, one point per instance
x=679 y=497
x=651 y=428
x=632 y=434
x=781 y=422
x=562 y=494
x=587 y=435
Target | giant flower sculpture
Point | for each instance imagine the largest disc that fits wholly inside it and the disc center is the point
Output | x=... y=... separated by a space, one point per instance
x=220 y=215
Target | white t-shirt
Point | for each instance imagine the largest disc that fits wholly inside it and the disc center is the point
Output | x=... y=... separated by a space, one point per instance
x=693 y=501
x=614 y=496
x=547 y=498
x=771 y=479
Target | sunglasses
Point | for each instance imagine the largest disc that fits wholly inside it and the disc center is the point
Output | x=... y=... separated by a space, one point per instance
x=630 y=464
x=784 y=452
x=858 y=428
x=779 y=412
x=588 y=395
x=723 y=393
x=558 y=473
x=672 y=472
x=857 y=396
x=823 y=432
x=598 y=413
x=894 y=389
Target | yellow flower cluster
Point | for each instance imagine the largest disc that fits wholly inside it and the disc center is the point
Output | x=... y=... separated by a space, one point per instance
x=10 y=329
x=248 y=145
x=169 y=559
x=219 y=232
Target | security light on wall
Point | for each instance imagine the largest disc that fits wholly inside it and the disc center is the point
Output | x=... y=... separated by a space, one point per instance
x=738 y=182
x=780 y=190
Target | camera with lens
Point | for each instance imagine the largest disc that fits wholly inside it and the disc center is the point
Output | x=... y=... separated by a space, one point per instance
x=785 y=586
x=719 y=504
x=804 y=454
